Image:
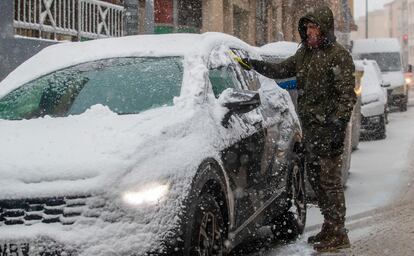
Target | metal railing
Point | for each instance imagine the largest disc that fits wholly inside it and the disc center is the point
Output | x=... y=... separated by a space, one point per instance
x=88 y=19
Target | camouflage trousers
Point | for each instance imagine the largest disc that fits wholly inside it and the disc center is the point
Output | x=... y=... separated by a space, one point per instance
x=325 y=177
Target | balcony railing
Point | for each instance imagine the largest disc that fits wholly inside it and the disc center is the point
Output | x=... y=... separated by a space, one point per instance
x=78 y=19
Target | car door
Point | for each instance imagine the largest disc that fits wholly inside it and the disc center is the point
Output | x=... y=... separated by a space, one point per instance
x=269 y=179
x=247 y=160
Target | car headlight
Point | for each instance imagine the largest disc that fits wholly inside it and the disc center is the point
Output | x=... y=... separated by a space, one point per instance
x=151 y=194
x=408 y=80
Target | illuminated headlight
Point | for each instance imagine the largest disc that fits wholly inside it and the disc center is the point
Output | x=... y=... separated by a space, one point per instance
x=149 y=195
x=408 y=80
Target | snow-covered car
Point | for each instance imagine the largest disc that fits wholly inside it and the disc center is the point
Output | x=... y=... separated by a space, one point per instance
x=155 y=144
x=387 y=52
x=277 y=52
x=374 y=101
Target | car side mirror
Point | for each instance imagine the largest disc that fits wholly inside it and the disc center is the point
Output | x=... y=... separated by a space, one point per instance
x=238 y=102
x=385 y=85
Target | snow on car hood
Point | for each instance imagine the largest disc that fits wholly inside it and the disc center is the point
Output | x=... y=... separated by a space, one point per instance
x=100 y=151
x=395 y=79
x=63 y=156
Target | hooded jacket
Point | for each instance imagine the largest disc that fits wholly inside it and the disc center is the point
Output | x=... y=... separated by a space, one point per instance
x=325 y=83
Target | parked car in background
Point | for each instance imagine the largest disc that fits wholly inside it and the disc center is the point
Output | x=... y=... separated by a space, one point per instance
x=374 y=101
x=158 y=144
x=387 y=53
x=279 y=51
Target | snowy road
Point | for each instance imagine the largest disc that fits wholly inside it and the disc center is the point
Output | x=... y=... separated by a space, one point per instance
x=382 y=175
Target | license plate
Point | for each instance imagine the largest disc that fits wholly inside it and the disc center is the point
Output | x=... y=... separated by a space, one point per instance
x=27 y=249
x=14 y=249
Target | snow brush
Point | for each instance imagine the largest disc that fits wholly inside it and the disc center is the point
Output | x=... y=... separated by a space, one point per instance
x=240 y=61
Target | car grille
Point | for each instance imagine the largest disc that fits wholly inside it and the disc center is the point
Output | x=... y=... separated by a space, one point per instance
x=64 y=210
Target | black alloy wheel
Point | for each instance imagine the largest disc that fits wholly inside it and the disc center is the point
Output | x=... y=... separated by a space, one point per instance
x=208 y=234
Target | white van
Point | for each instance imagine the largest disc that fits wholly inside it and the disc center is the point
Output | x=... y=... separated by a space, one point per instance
x=387 y=53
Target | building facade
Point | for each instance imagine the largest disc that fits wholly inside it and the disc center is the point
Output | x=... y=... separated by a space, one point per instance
x=256 y=21
x=30 y=25
x=378 y=25
x=410 y=33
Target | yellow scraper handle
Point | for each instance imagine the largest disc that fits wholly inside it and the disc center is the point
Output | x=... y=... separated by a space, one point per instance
x=240 y=61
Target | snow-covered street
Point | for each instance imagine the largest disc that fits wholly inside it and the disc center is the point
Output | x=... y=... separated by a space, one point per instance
x=379 y=195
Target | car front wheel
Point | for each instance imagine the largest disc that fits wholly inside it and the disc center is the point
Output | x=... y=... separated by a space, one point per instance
x=208 y=229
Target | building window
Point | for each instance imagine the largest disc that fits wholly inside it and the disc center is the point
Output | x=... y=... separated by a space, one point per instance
x=240 y=23
x=163 y=16
x=189 y=16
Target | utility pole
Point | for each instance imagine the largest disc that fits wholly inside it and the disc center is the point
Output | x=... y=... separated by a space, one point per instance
x=366 y=18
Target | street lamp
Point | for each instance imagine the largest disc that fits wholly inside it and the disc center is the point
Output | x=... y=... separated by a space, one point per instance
x=366 y=18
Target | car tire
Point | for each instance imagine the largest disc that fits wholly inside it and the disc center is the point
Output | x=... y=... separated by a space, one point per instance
x=403 y=107
x=289 y=225
x=207 y=231
x=386 y=111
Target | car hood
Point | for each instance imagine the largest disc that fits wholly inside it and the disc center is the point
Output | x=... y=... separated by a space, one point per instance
x=395 y=79
x=76 y=154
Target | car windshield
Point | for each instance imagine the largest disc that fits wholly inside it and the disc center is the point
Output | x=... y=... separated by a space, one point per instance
x=125 y=85
x=387 y=61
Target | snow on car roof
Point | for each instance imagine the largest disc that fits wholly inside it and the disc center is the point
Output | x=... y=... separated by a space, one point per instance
x=63 y=55
x=282 y=49
x=372 y=45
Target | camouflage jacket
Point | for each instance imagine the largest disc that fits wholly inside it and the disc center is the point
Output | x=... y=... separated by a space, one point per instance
x=325 y=81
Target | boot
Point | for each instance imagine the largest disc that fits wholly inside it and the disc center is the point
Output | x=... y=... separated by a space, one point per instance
x=326 y=226
x=335 y=240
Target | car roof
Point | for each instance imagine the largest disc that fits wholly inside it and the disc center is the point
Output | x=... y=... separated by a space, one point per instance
x=282 y=49
x=64 y=55
x=376 y=45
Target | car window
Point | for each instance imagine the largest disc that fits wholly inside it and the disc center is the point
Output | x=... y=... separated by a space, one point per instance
x=125 y=85
x=222 y=78
x=387 y=61
x=249 y=78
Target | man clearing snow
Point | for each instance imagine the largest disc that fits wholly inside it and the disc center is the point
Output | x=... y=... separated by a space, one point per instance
x=325 y=82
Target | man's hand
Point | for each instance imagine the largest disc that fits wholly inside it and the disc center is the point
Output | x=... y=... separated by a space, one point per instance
x=244 y=63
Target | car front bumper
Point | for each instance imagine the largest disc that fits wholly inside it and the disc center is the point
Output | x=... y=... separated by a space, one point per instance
x=397 y=96
x=372 y=109
x=371 y=124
